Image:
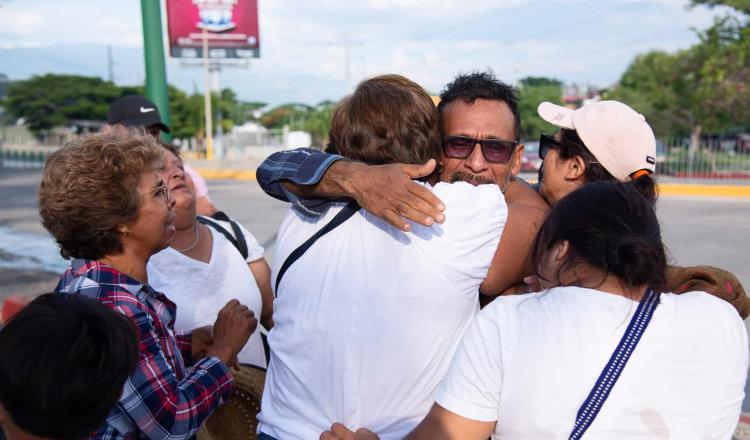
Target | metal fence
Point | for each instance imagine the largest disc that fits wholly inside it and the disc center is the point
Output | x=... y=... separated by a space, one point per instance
x=23 y=157
x=715 y=159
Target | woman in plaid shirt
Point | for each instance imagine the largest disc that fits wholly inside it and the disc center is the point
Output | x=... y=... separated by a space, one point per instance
x=104 y=202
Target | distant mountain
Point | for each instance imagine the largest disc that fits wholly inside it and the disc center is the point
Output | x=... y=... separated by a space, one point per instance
x=261 y=82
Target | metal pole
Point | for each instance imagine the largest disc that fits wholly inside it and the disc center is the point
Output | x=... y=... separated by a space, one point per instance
x=207 y=99
x=219 y=139
x=156 y=71
x=110 y=65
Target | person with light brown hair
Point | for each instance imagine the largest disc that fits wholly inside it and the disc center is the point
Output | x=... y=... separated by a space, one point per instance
x=103 y=201
x=361 y=130
x=367 y=316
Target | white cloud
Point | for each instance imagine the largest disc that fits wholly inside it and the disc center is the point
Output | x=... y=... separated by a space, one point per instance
x=19 y=27
x=430 y=6
x=49 y=22
x=304 y=50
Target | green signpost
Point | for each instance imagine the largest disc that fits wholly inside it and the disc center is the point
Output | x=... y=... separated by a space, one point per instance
x=153 y=48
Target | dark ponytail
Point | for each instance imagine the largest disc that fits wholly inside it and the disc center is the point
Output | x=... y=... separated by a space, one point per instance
x=610 y=226
x=646 y=186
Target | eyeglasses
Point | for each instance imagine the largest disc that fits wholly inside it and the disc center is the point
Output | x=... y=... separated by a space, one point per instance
x=161 y=190
x=545 y=143
x=494 y=150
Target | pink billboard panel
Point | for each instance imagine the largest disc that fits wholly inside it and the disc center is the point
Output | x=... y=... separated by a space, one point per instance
x=231 y=26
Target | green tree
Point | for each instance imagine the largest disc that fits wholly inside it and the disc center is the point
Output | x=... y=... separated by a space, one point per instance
x=292 y=115
x=187 y=114
x=49 y=100
x=535 y=90
x=315 y=120
x=742 y=6
x=705 y=88
x=656 y=85
x=318 y=122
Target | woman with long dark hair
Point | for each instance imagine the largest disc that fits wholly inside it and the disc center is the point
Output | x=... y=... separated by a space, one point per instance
x=601 y=351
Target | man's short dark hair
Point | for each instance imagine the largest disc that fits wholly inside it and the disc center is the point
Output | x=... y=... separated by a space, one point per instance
x=64 y=359
x=387 y=119
x=469 y=87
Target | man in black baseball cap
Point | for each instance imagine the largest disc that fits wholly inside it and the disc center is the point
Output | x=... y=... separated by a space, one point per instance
x=136 y=111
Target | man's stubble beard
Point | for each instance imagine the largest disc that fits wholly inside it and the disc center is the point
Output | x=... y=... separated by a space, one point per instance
x=473 y=179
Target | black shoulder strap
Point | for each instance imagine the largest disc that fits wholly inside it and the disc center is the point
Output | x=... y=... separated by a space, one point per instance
x=237 y=240
x=348 y=211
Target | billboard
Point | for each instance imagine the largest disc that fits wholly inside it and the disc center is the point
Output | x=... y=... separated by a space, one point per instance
x=231 y=25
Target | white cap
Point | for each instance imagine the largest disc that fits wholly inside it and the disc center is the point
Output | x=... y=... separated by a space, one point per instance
x=619 y=137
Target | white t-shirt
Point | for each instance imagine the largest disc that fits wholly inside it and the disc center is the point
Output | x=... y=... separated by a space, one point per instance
x=367 y=320
x=201 y=289
x=529 y=361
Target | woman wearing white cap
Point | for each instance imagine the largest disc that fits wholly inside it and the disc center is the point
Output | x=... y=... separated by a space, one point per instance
x=608 y=140
x=605 y=140
x=601 y=353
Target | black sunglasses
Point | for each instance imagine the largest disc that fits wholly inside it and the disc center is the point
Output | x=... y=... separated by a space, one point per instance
x=545 y=143
x=494 y=150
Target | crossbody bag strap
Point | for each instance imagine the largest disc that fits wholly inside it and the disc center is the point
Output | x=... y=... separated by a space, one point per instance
x=608 y=377
x=348 y=211
x=240 y=238
x=240 y=243
x=228 y=235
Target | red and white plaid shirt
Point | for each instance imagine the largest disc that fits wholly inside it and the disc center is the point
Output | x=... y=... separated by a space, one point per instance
x=162 y=399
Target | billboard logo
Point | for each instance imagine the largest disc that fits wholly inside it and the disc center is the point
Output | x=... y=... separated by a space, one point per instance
x=230 y=26
x=215 y=15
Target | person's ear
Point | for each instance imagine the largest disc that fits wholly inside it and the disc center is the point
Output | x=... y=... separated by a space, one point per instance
x=516 y=160
x=124 y=231
x=560 y=251
x=575 y=168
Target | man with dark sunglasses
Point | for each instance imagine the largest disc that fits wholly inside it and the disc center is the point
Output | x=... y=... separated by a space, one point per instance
x=480 y=118
x=479 y=121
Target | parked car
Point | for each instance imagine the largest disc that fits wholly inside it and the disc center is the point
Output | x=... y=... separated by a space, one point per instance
x=531 y=162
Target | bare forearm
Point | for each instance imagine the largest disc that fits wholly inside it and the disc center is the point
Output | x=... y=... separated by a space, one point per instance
x=512 y=260
x=262 y=274
x=338 y=181
x=441 y=424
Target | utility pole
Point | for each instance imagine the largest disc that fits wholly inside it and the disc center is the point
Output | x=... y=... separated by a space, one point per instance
x=207 y=99
x=348 y=64
x=156 y=71
x=347 y=60
x=110 y=65
x=219 y=139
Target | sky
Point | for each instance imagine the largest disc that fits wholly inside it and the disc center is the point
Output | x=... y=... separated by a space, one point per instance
x=304 y=44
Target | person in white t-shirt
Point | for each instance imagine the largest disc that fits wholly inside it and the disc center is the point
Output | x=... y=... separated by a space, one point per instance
x=528 y=362
x=367 y=319
x=202 y=269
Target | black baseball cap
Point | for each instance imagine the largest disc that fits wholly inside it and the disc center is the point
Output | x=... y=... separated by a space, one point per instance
x=135 y=111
